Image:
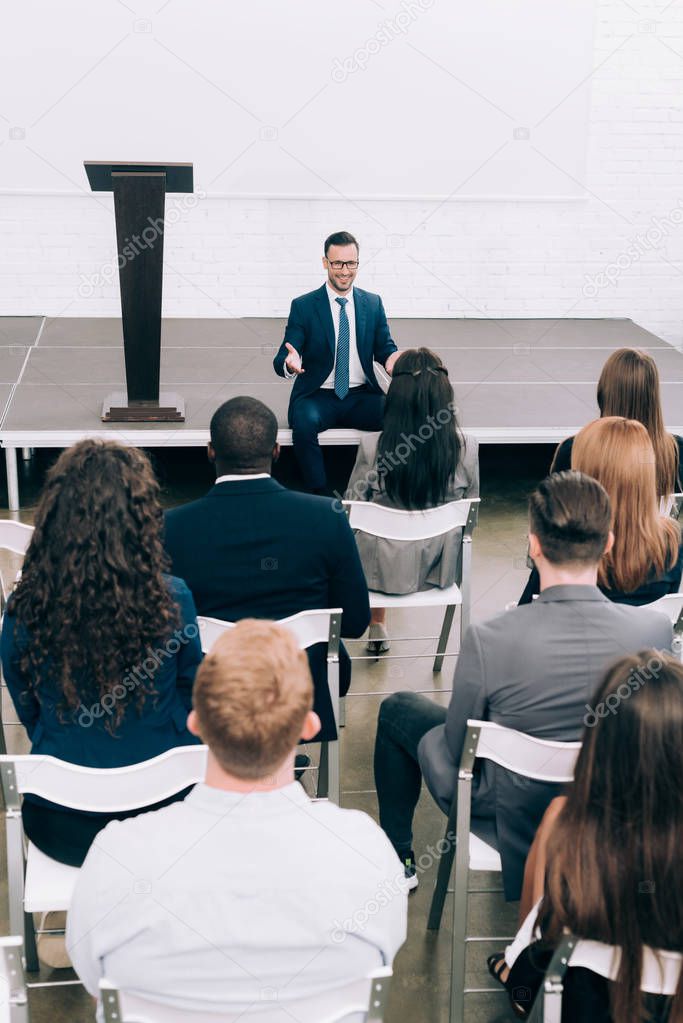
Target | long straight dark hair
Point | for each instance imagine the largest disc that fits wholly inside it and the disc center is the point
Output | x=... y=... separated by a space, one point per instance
x=614 y=854
x=421 y=444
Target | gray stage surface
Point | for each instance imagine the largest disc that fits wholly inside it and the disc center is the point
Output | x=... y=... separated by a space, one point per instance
x=516 y=381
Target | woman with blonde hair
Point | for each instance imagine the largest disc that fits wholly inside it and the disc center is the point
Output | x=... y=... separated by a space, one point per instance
x=629 y=387
x=645 y=562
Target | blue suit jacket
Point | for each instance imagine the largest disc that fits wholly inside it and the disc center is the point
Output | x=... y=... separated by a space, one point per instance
x=252 y=549
x=310 y=330
x=80 y=736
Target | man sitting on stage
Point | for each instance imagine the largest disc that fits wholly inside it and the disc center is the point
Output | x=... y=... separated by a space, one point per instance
x=332 y=337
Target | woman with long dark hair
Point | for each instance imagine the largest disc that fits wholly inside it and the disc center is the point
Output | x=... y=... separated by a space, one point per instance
x=629 y=387
x=420 y=459
x=611 y=869
x=99 y=645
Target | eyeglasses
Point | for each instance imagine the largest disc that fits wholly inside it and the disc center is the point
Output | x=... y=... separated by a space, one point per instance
x=338 y=264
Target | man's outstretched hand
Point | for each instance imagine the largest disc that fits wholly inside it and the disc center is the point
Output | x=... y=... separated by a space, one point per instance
x=293 y=360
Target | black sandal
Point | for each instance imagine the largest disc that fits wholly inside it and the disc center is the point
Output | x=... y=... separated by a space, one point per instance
x=495 y=965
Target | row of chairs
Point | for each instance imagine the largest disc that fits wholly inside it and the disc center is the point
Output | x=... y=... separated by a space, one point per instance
x=38 y=884
x=323 y=626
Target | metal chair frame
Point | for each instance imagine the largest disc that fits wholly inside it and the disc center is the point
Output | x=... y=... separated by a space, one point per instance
x=318 y=626
x=540 y=760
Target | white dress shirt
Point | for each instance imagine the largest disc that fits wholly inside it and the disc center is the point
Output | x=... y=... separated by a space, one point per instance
x=227 y=898
x=243 y=476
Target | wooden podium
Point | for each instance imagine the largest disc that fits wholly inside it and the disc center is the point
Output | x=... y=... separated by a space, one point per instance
x=139 y=205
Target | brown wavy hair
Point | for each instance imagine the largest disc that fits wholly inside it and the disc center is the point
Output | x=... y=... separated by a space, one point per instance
x=614 y=853
x=618 y=453
x=92 y=596
x=629 y=387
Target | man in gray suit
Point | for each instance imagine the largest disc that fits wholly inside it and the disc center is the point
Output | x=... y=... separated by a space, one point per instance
x=534 y=668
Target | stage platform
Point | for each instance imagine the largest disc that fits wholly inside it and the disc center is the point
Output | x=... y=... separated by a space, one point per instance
x=516 y=381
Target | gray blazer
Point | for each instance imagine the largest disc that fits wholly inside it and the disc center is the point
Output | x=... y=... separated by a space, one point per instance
x=534 y=668
x=394 y=566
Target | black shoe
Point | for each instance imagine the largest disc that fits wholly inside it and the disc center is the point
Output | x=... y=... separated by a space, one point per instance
x=301 y=761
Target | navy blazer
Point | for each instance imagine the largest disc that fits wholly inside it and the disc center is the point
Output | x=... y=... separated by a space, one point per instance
x=310 y=329
x=80 y=736
x=253 y=549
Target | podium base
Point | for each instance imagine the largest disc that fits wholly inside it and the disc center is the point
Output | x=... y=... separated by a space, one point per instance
x=170 y=408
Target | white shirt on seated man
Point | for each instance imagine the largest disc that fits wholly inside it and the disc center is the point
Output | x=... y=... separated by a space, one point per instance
x=247 y=890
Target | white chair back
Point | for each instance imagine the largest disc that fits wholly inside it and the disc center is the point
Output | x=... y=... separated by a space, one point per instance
x=15 y=536
x=396 y=524
x=671 y=505
x=362 y=1001
x=660 y=973
x=309 y=627
x=538 y=759
x=13 y=999
x=101 y=791
x=671 y=605
x=661 y=970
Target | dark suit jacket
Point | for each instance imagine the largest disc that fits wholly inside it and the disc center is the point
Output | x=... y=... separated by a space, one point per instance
x=652 y=589
x=562 y=459
x=252 y=549
x=311 y=331
x=80 y=737
x=534 y=668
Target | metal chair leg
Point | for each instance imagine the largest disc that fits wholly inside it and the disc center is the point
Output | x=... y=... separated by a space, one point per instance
x=30 y=947
x=443 y=637
x=441 y=889
x=460 y=900
x=323 y=789
x=444 y=873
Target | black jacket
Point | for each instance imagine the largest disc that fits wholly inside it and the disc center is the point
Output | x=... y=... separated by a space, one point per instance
x=253 y=549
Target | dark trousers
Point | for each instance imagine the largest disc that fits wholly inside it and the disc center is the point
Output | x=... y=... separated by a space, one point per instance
x=361 y=409
x=403 y=719
x=66 y=835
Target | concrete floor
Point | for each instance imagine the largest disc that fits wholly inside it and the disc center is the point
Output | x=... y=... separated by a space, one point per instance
x=421 y=970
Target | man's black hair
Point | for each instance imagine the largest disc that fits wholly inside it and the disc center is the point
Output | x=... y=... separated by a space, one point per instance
x=243 y=433
x=340 y=238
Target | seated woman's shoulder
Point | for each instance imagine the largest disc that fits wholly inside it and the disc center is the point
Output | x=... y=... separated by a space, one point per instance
x=177 y=586
x=368 y=441
x=470 y=445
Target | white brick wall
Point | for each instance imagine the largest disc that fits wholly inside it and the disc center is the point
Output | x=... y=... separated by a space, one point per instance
x=230 y=257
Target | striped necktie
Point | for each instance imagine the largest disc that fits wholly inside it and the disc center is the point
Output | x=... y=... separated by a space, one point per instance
x=341 y=369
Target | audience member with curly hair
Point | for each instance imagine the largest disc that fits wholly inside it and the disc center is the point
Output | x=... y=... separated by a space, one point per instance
x=99 y=645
